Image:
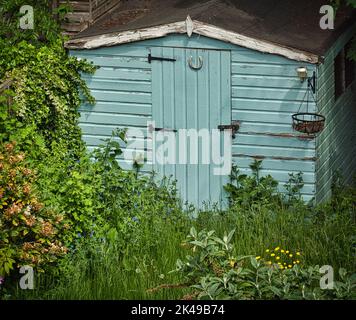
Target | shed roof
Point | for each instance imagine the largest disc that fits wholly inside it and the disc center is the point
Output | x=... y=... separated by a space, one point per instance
x=286 y=23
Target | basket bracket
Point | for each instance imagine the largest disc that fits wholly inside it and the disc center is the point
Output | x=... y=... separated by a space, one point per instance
x=312 y=82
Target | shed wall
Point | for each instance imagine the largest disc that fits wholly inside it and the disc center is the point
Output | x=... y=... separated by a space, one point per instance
x=265 y=93
x=336 y=145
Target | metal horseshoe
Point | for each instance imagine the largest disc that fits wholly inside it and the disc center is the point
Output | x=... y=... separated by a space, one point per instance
x=198 y=67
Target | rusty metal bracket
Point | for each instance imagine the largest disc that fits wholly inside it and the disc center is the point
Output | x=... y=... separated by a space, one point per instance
x=234 y=127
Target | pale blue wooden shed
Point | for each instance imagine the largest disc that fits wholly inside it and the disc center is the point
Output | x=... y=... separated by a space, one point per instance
x=204 y=64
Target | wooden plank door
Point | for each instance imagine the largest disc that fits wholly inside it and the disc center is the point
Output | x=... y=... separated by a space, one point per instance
x=188 y=98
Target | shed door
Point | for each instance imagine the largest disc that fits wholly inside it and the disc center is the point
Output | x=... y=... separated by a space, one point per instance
x=188 y=98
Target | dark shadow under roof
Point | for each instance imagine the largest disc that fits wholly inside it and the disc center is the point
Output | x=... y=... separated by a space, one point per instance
x=290 y=23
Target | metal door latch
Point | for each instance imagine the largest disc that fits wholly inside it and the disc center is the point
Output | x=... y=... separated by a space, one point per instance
x=234 y=127
x=151 y=58
x=151 y=129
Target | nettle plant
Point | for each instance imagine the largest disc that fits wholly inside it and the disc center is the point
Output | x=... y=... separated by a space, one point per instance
x=29 y=233
x=245 y=190
x=213 y=271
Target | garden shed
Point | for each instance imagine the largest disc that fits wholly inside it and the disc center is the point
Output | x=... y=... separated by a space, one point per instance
x=240 y=66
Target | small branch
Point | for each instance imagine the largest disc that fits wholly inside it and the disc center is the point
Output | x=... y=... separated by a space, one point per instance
x=168 y=286
x=5 y=85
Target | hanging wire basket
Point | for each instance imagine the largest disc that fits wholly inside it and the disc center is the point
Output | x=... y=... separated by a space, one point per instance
x=308 y=122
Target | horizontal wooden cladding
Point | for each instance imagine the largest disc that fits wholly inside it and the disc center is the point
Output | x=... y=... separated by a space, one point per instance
x=272 y=151
x=104 y=130
x=120 y=74
x=278 y=165
x=142 y=143
x=262 y=116
x=268 y=93
x=117 y=61
x=240 y=104
x=124 y=96
x=265 y=127
x=270 y=140
x=272 y=70
x=118 y=107
x=119 y=85
x=119 y=120
x=268 y=81
x=128 y=50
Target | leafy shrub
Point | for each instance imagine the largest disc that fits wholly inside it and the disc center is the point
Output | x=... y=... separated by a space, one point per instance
x=215 y=273
x=29 y=233
x=102 y=200
x=45 y=89
x=246 y=191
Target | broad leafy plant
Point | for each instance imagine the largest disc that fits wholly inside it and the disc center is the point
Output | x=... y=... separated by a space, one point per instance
x=213 y=272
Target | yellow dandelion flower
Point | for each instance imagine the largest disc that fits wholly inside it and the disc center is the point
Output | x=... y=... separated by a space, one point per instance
x=294 y=262
x=267 y=250
x=282 y=251
x=272 y=254
x=298 y=261
x=285 y=263
x=298 y=253
x=269 y=262
x=278 y=258
x=282 y=267
x=258 y=258
x=279 y=263
x=291 y=255
x=277 y=249
x=287 y=251
x=232 y=263
x=289 y=266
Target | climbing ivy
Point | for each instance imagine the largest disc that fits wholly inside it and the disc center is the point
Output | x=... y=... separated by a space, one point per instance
x=44 y=85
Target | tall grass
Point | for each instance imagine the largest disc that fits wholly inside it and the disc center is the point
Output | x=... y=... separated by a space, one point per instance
x=105 y=271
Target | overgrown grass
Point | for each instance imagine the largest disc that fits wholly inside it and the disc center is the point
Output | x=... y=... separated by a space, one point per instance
x=105 y=271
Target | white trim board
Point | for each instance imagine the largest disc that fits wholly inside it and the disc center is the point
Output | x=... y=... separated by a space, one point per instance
x=117 y=38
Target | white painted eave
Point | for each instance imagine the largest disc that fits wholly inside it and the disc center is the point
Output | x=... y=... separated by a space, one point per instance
x=191 y=26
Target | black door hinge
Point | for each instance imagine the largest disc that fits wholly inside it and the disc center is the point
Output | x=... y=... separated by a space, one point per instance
x=150 y=59
x=234 y=127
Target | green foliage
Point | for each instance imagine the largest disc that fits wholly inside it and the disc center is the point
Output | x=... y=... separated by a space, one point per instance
x=101 y=199
x=215 y=273
x=45 y=97
x=29 y=233
x=247 y=191
x=294 y=186
x=46 y=29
